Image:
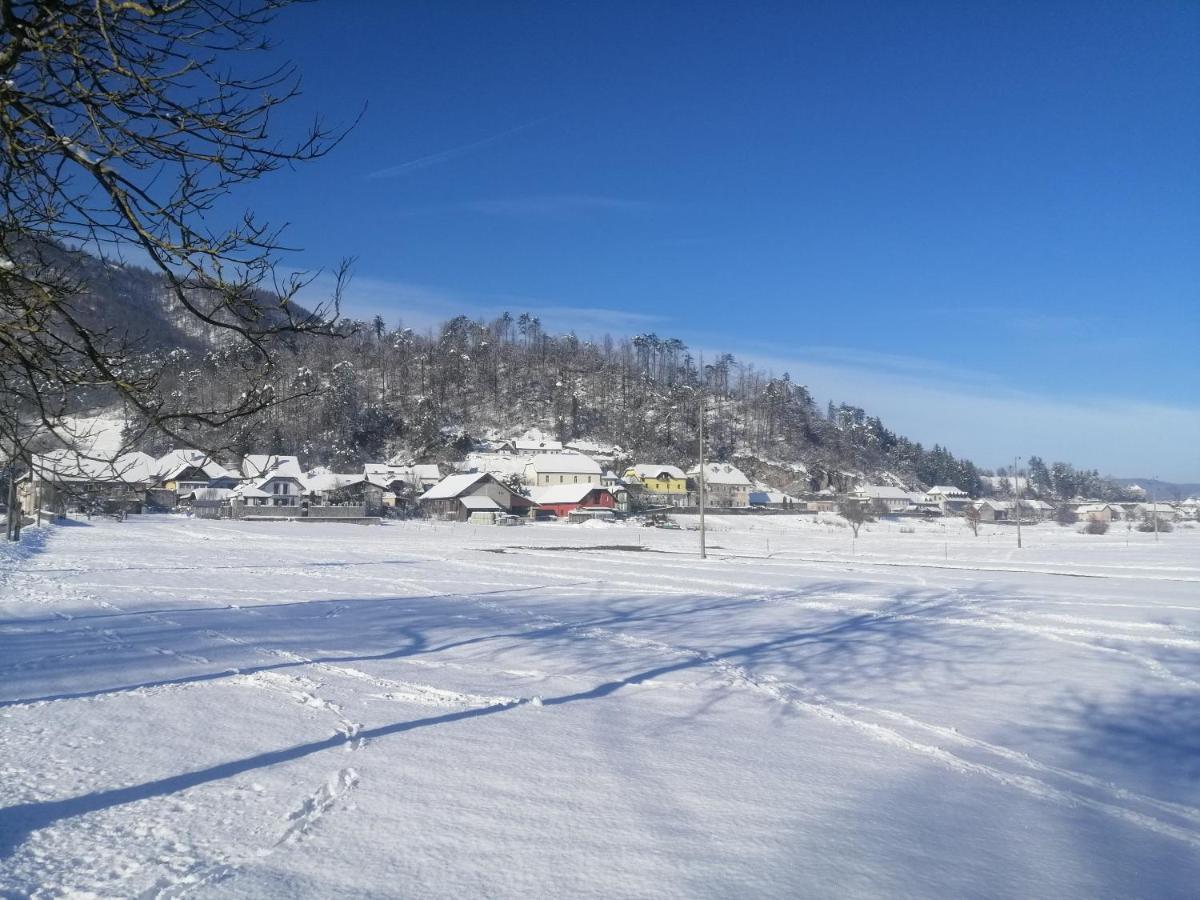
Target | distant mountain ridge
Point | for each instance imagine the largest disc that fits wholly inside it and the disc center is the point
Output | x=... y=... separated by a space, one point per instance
x=138 y=304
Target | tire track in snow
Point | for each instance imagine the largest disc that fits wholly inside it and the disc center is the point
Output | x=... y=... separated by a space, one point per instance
x=1115 y=802
x=839 y=713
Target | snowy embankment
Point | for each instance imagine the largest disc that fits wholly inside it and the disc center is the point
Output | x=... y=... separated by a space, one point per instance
x=264 y=709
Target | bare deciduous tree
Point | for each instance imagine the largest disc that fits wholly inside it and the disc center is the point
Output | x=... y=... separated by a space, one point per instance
x=855 y=512
x=121 y=126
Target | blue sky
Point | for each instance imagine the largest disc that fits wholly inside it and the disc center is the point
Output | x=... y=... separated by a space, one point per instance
x=979 y=221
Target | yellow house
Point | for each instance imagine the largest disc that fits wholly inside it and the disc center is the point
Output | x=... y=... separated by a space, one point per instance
x=658 y=479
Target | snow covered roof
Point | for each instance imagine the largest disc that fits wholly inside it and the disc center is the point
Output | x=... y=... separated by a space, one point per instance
x=562 y=493
x=412 y=474
x=570 y=463
x=256 y=465
x=947 y=490
x=480 y=503
x=883 y=492
x=528 y=445
x=69 y=465
x=594 y=447
x=211 y=468
x=500 y=464
x=246 y=490
x=654 y=470
x=995 y=504
x=720 y=473
x=452 y=485
x=331 y=481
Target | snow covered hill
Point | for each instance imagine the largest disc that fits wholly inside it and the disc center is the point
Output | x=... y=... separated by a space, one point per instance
x=265 y=710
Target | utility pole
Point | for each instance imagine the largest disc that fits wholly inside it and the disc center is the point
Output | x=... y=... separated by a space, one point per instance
x=703 y=552
x=1154 y=508
x=1017 y=491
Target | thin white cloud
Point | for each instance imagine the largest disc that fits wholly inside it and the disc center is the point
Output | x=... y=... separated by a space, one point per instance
x=553 y=205
x=451 y=153
x=422 y=307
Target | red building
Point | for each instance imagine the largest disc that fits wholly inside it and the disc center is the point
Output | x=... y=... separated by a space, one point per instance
x=560 y=499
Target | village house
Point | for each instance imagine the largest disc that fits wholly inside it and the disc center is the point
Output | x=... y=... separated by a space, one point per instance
x=948 y=498
x=269 y=480
x=1163 y=511
x=1098 y=512
x=663 y=484
x=882 y=499
x=724 y=485
x=920 y=504
x=346 y=489
x=993 y=510
x=769 y=498
x=184 y=471
x=419 y=476
x=563 y=499
x=457 y=498
x=65 y=479
x=562 y=468
x=1036 y=510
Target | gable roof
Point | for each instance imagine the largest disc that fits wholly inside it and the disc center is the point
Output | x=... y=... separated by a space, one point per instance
x=209 y=467
x=947 y=490
x=69 y=465
x=652 y=470
x=453 y=485
x=332 y=481
x=569 y=462
x=412 y=474
x=883 y=492
x=721 y=473
x=563 y=493
x=256 y=465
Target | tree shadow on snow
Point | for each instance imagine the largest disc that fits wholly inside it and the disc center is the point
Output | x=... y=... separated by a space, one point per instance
x=826 y=649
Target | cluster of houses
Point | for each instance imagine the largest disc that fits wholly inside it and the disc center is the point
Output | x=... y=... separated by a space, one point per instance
x=522 y=478
x=947 y=500
x=503 y=482
x=544 y=478
x=257 y=485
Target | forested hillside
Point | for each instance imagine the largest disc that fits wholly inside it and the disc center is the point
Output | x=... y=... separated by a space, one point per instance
x=384 y=391
x=378 y=391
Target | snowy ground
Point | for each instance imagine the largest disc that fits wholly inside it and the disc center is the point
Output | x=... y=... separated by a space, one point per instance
x=270 y=710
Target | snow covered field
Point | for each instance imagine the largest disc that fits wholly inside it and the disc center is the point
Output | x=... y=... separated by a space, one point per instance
x=278 y=710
